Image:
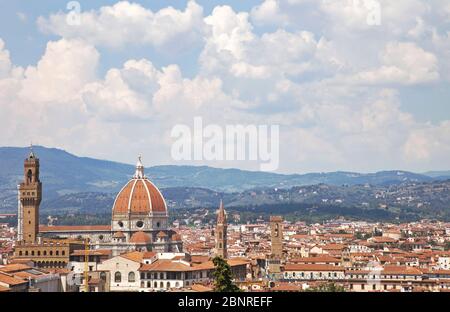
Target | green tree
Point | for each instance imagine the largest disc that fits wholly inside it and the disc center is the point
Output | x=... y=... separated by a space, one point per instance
x=328 y=287
x=223 y=277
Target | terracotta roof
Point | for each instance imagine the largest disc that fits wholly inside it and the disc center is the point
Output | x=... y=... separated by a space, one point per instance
x=14 y=268
x=322 y=258
x=140 y=238
x=201 y=288
x=149 y=254
x=135 y=256
x=286 y=287
x=166 y=266
x=401 y=270
x=139 y=196
x=10 y=280
x=74 y=228
x=210 y=265
x=333 y=247
x=4 y=289
x=161 y=234
x=311 y=267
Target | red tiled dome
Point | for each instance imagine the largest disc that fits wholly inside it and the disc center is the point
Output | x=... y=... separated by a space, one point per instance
x=140 y=238
x=139 y=196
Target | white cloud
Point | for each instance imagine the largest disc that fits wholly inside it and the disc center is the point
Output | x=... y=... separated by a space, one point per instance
x=268 y=12
x=63 y=70
x=325 y=83
x=5 y=62
x=129 y=23
x=403 y=63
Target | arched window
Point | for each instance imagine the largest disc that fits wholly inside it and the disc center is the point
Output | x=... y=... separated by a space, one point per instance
x=30 y=176
x=155 y=284
x=168 y=284
x=103 y=276
x=161 y=285
x=117 y=277
x=131 y=278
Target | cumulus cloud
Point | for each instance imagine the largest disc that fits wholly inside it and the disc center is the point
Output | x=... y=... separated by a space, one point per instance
x=331 y=81
x=5 y=62
x=403 y=63
x=268 y=12
x=130 y=23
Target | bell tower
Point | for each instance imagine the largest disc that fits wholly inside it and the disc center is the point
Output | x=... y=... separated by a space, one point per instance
x=221 y=233
x=30 y=195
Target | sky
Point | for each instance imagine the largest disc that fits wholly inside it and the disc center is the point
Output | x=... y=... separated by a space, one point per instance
x=354 y=85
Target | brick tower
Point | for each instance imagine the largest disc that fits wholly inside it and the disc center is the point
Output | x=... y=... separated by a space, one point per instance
x=30 y=195
x=276 y=238
x=221 y=233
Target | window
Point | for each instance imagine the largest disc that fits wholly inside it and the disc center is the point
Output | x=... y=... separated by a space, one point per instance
x=131 y=278
x=139 y=224
x=117 y=277
x=157 y=224
x=362 y=286
x=20 y=253
x=374 y=287
x=168 y=285
x=45 y=252
x=63 y=252
x=103 y=276
x=30 y=176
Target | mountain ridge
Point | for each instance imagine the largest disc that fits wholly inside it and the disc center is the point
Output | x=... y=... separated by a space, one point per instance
x=65 y=173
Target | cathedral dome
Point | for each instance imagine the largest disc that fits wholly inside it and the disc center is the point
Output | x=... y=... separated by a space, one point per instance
x=140 y=238
x=139 y=196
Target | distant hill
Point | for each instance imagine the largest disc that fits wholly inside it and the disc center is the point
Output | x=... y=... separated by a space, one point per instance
x=63 y=174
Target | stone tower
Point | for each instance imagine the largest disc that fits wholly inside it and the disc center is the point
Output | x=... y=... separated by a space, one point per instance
x=221 y=233
x=30 y=195
x=276 y=238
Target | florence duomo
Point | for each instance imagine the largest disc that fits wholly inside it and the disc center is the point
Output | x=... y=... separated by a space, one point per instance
x=237 y=149
x=139 y=217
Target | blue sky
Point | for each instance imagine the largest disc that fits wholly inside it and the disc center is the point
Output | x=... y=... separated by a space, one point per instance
x=347 y=95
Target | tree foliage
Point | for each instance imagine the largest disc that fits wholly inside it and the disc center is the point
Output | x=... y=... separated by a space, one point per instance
x=223 y=277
